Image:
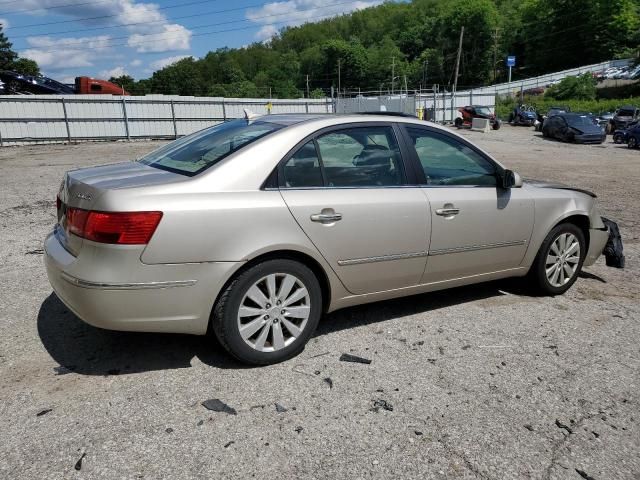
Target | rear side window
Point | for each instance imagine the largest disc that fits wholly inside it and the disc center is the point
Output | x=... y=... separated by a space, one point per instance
x=447 y=161
x=194 y=153
x=361 y=157
x=96 y=87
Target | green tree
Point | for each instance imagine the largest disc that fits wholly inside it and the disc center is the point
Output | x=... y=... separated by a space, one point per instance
x=7 y=55
x=26 y=66
x=581 y=87
x=125 y=81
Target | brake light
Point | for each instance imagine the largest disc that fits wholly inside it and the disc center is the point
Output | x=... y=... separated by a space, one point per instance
x=123 y=228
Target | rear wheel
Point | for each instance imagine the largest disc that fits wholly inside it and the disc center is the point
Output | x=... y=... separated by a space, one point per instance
x=633 y=143
x=559 y=260
x=618 y=138
x=496 y=125
x=458 y=122
x=268 y=312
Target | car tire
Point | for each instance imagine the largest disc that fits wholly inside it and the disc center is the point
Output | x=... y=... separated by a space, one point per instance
x=618 y=138
x=458 y=122
x=632 y=143
x=278 y=335
x=496 y=125
x=545 y=280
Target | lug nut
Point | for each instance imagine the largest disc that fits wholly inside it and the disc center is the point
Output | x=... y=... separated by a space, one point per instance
x=266 y=317
x=268 y=305
x=278 y=302
x=283 y=312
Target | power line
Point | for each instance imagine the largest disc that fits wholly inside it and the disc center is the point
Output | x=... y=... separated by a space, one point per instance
x=29 y=10
x=203 y=14
x=161 y=36
x=109 y=16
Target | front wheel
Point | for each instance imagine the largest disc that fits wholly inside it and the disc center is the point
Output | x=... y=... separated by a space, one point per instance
x=618 y=138
x=496 y=125
x=268 y=313
x=633 y=143
x=559 y=260
x=458 y=122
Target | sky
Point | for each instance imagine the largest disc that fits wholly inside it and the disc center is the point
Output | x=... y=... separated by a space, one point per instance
x=104 y=38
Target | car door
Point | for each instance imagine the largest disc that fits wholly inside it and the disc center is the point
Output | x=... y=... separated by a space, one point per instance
x=477 y=227
x=347 y=188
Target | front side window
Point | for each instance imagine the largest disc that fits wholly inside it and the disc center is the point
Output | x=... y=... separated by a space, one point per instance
x=360 y=157
x=447 y=161
x=194 y=153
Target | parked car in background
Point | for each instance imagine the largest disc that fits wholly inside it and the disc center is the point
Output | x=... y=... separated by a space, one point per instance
x=604 y=120
x=476 y=111
x=523 y=115
x=254 y=228
x=622 y=135
x=633 y=136
x=554 y=110
x=623 y=116
x=573 y=127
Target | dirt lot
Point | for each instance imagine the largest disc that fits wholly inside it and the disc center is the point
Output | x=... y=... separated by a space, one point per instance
x=484 y=382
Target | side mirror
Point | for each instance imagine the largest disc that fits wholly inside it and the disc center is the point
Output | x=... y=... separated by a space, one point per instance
x=511 y=179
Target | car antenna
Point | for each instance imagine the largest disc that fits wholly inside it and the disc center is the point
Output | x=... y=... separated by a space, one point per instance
x=249 y=115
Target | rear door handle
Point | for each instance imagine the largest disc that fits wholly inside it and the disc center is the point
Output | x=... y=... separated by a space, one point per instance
x=326 y=217
x=447 y=212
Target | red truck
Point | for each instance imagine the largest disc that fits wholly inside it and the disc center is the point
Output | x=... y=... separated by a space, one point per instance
x=88 y=85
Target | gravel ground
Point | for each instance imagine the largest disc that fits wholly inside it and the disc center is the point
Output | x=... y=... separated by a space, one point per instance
x=477 y=382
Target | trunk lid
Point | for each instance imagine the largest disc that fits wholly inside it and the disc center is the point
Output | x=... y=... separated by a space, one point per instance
x=82 y=188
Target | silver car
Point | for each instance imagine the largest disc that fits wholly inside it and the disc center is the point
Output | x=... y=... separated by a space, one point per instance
x=253 y=229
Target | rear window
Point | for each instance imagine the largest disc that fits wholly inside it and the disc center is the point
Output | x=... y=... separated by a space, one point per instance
x=195 y=153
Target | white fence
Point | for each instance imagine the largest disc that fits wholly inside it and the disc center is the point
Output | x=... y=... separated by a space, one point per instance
x=68 y=118
x=439 y=106
x=544 y=80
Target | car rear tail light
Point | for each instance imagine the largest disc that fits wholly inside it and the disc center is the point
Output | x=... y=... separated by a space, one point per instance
x=123 y=228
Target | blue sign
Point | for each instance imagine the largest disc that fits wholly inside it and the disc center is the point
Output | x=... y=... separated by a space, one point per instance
x=511 y=61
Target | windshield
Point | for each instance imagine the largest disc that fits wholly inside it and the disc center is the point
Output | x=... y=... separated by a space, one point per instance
x=579 y=121
x=625 y=113
x=196 y=152
x=483 y=110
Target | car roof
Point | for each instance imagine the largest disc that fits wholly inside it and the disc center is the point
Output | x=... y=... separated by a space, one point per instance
x=291 y=119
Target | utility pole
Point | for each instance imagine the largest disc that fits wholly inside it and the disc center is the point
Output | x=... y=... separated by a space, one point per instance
x=393 y=72
x=425 y=66
x=496 y=36
x=455 y=78
x=339 y=80
x=308 y=85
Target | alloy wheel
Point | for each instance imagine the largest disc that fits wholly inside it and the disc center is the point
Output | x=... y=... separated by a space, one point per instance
x=562 y=260
x=274 y=312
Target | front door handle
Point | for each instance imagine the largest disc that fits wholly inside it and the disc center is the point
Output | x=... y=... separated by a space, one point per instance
x=447 y=211
x=326 y=217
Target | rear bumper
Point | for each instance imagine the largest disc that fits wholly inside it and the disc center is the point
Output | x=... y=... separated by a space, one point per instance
x=597 y=240
x=149 y=298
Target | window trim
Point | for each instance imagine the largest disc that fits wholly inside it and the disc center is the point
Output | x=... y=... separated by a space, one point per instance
x=408 y=174
x=422 y=179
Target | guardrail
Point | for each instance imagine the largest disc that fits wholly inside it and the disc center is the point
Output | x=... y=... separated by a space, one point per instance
x=72 y=118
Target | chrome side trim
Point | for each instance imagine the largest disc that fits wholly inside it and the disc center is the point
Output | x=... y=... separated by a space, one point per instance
x=125 y=286
x=472 y=248
x=382 y=258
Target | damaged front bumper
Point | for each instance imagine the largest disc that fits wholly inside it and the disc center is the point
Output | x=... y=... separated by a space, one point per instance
x=613 y=249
